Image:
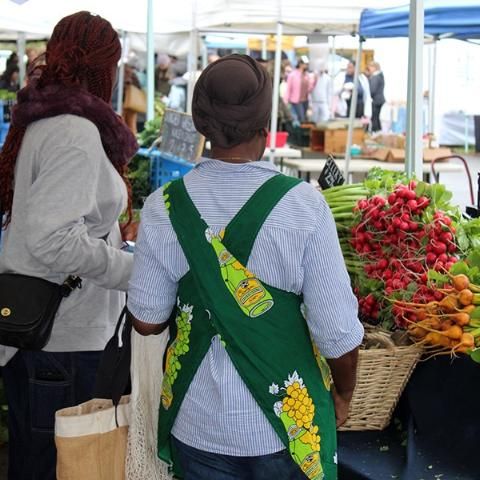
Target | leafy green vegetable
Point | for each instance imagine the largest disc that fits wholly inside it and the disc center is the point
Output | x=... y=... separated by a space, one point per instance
x=459 y=268
x=475 y=355
x=139 y=176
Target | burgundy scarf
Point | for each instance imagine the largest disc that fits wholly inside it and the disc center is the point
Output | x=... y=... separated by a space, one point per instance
x=34 y=104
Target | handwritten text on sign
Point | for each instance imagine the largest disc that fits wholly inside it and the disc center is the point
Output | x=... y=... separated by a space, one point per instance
x=179 y=137
x=331 y=175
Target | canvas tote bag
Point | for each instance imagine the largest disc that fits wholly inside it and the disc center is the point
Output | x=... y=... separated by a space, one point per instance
x=91 y=438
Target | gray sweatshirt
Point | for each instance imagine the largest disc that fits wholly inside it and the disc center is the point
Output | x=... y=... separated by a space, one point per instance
x=67 y=197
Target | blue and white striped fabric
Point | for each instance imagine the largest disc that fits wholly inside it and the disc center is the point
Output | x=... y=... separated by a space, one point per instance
x=297 y=250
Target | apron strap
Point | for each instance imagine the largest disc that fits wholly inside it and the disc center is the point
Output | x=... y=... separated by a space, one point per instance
x=242 y=231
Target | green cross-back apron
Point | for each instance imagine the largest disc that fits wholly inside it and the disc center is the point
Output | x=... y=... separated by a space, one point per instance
x=261 y=327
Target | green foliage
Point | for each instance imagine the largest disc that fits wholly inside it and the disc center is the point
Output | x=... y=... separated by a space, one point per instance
x=139 y=175
x=382 y=181
x=151 y=131
x=6 y=95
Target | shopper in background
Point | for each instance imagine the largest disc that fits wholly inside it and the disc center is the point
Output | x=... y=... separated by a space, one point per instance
x=12 y=60
x=299 y=86
x=10 y=78
x=130 y=115
x=322 y=94
x=344 y=82
x=224 y=414
x=163 y=75
x=63 y=186
x=377 y=88
x=177 y=98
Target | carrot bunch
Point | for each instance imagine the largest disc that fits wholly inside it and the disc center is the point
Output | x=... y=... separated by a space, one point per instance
x=450 y=324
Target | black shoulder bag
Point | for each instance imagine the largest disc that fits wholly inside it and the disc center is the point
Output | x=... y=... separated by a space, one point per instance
x=28 y=306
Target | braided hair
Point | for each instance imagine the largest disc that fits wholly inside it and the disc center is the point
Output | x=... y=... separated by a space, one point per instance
x=83 y=51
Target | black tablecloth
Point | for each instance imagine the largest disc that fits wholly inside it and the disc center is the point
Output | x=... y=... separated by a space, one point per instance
x=435 y=433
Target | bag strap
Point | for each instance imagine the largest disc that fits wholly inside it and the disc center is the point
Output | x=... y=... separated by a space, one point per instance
x=72 y=281
x=113 y=375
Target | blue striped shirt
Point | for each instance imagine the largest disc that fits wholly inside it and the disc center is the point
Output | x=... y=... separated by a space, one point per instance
x=296 y=250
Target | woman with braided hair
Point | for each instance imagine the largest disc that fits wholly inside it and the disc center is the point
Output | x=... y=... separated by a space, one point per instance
x=63 y=187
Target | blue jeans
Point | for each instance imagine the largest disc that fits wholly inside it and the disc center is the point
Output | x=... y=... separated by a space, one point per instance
x=37 y=384
x=201 y=465
x=299 y=111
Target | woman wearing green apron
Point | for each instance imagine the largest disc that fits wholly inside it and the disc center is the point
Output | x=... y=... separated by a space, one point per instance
x=244 y=267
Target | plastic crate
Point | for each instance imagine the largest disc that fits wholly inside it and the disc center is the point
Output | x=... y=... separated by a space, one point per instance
x=165 y=168
x=299 y=136
x=280 y=139
x=3 y=132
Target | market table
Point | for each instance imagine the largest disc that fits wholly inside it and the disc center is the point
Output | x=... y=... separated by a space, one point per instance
x=284 y=152
x=307 y=167
x=279 y=153
x=435 y=436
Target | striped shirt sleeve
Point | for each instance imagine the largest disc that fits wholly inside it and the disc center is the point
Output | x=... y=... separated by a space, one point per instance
x=331 y=307
x=153 y=285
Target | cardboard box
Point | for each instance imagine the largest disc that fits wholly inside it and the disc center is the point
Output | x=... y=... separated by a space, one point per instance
x=397 y=155
x=381 y=154
x=430 y=154
x=334 y=140
x=390 y=140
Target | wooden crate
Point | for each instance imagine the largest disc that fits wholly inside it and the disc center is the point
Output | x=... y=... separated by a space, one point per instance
x=334 y=140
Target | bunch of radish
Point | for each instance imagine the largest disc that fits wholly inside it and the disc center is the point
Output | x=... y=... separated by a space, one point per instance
x=398 y=237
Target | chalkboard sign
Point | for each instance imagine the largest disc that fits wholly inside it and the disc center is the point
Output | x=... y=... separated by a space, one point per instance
x=179 y=137
x=331 y=175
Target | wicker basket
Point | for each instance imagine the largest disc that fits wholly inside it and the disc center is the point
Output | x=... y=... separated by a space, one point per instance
x=382 y=374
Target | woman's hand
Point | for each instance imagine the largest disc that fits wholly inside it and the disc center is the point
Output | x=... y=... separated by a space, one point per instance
x=342 y=406
x=129 y=231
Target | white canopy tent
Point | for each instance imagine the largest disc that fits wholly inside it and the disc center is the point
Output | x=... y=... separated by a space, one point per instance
x=280 y=17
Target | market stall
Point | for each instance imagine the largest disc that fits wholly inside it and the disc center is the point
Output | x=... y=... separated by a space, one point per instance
x=442 y=19
x=414 y=261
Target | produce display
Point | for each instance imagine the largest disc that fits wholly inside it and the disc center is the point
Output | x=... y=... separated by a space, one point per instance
x=408 y=250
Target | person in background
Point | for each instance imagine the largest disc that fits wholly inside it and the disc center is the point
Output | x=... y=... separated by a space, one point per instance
x=163 y=75
x=177 y=98
x=377 y=88
x=12 y=60
x=63 y=186
x=10 y=78
x=212 y=58
x=130 y=116
x=235 y=247
x=345 y=83
x=322 y=94
x=299 y=86
x=32 y=54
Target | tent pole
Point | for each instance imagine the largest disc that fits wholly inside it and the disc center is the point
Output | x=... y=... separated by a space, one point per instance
x=334 y=55
x=21 y=44
x=121 y=74
x=192 y=67
x=414 y=153
x=353 y=109
x=192 y=57
x=204 y=53
x=431 y=93
x=276 y=90
x=150 y=63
